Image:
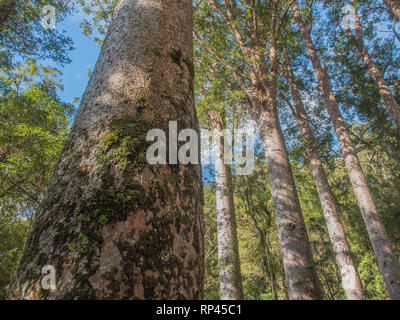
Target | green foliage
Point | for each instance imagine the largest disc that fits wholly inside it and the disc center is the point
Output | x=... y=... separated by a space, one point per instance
x=211 y=271
x=23 y=35
x=12 y=239
x=34 y=122
x=34 y=125
x=99 y=14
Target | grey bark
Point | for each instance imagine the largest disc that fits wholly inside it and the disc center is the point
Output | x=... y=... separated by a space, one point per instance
x=230 y=280
x=387 y=261
x=394 y=6
x=113 y=226
x=301 y=277
x=350 y=280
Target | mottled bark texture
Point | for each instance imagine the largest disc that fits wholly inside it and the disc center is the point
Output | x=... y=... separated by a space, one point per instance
x=394 y=6
x=301 y=277
x=230 y=280
x=7 y=8
x=114 y=226
x=376 y=75
x=350 y=280
x=387 y=261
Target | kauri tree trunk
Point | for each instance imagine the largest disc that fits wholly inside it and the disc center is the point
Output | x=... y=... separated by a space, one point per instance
x=113 y=226
x=376 y=75
x=230 y=280
x=350 y=280
x=301 y=276
x=387 y=261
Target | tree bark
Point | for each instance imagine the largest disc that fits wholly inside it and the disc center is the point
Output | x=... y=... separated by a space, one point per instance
x=230 y=280
x=394 y=6
x=7 y=8
x=384 y=91
x=387 y=261
x=301 y=277
x=113 y=226
x=350 y=280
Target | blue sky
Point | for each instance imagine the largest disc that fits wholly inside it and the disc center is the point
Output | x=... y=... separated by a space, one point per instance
x=84 y=57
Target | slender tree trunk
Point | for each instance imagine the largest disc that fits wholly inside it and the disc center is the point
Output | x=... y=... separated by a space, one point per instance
x=374 y=72
x=271 y=275
x=350 y=280
x=384 y=91
x=7 y=8
x=230 y=280
x=394 y=6
x=298 y=262
x=113 y=226
x=301 y=276
x=387 y=261
x=267 y=261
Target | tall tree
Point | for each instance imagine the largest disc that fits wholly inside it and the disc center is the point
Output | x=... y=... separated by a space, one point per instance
x=387 y=261
x=215 y=99
x=374 y=72
x=350 y=280
x=112 y=225
x=254 y=32
x=228 y=251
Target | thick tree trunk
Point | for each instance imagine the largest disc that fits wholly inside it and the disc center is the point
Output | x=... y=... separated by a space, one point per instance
x=350 y=280
x=387 y=261
x=7 y=8
x=384 y=91
x=230 y=280
x=113 y=226
x=394 y=6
